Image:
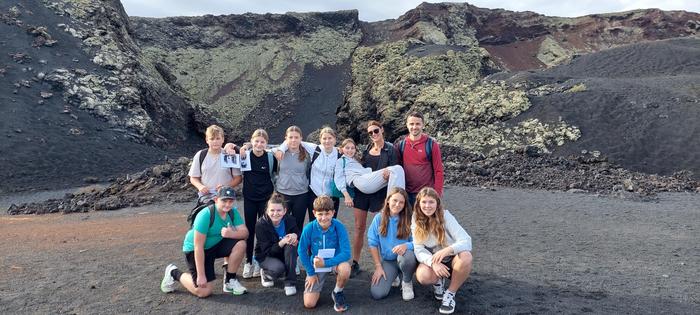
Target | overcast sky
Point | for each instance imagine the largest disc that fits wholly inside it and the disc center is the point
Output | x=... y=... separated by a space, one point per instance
x=375 y=10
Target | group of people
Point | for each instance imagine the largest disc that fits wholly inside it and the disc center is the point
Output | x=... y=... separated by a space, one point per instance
x=412 y=234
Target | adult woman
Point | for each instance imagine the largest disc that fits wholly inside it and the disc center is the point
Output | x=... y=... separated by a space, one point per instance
x=389 y=241
x=442 y=247
x=380 y=154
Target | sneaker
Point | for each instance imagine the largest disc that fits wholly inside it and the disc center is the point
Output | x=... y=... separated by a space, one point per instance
x=256 y=269
x=235 y=287
x=354 y=269
x=290 y=290
x=396 y=283
x=448 y=303
x=247 y=271
x=339 y=304
x=266 y=280
x=168 y=283
x=407 y=290
x=439 y=289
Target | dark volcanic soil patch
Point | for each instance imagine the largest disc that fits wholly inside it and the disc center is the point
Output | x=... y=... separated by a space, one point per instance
x=535 y=252
x=319 y=93
x=639 y=104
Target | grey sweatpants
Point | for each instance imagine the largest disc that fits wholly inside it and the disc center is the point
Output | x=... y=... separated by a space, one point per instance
x=405 y=264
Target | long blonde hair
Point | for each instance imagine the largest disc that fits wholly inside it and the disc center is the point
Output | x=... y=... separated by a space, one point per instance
x=404 y=228
x=429 y=225
x=302 y=151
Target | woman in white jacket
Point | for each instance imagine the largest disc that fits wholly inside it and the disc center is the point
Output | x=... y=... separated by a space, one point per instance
x=442 y=248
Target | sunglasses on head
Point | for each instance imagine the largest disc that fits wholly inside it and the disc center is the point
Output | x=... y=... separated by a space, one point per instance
x=374 y=131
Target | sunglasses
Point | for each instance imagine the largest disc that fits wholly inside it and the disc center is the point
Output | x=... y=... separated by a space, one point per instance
x=374 y=131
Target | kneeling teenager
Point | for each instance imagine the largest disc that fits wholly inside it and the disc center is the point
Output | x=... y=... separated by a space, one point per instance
x=389 y=241
x=324 y=247
x=276 y=248
x=442 y=246
x=218 y=231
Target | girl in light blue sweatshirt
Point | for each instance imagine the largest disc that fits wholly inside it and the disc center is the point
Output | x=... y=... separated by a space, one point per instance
x=390 y=243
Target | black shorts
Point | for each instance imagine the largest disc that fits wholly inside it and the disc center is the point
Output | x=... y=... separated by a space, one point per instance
x=220 y=250
x=447 y=261
x=369 y=202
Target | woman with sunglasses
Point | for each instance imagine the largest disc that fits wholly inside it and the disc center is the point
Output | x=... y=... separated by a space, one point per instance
x=379 y=155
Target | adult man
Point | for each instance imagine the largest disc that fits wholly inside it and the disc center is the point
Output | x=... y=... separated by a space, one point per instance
x=420 y=158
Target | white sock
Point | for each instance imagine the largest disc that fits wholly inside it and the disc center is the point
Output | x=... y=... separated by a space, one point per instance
x=448 y=292
x=337 y=289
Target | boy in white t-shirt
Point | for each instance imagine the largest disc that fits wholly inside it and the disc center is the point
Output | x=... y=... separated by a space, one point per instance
x=208 y=175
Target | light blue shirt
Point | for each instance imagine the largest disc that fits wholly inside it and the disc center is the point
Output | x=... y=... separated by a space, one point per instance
x=388 y=242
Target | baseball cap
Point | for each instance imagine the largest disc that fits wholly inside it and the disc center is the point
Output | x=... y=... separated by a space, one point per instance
x=226 y=192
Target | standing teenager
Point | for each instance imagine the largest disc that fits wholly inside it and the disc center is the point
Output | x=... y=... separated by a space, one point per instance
x=257 y=189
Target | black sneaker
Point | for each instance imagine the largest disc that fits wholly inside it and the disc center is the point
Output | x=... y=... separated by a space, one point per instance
x=354 y=269
x=339 y=304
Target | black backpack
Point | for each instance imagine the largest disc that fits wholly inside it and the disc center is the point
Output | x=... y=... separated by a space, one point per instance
x=200 y=207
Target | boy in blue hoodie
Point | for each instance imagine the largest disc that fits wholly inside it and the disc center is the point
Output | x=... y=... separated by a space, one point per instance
x=324 y=247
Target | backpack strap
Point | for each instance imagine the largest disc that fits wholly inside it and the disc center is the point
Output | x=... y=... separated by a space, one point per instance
x=317 y=152
x=271 y=163
x=212 y=210
x=202 y=156
x=429 y=149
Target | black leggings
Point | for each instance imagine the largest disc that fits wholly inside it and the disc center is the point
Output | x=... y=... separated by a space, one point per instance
x=296 y=205
x=312 y=197
x=253 y=210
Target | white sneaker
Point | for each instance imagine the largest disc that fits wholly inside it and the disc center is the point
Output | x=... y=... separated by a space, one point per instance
x=290 y=290
x=247 y=271
x=448 y=303
x=265 y=280
x=235 y=287
x=167 y=285
x=396 y=283
x=407 y=290
x=256 y=269
x=439 y=289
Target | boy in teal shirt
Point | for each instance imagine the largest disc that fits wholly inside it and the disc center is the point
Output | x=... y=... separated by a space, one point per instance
x=217 y=231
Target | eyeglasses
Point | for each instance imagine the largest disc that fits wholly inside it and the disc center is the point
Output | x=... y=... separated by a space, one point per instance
x=374 y=131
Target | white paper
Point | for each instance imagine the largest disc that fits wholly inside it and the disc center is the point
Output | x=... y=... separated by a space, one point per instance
x=325 y=254
x=230 y=161
x=245 y=162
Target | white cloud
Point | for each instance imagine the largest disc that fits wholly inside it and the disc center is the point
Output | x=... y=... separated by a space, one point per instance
x=380 y=10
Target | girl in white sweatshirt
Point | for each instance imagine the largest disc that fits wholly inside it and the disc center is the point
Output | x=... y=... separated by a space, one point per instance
x=442 y=248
